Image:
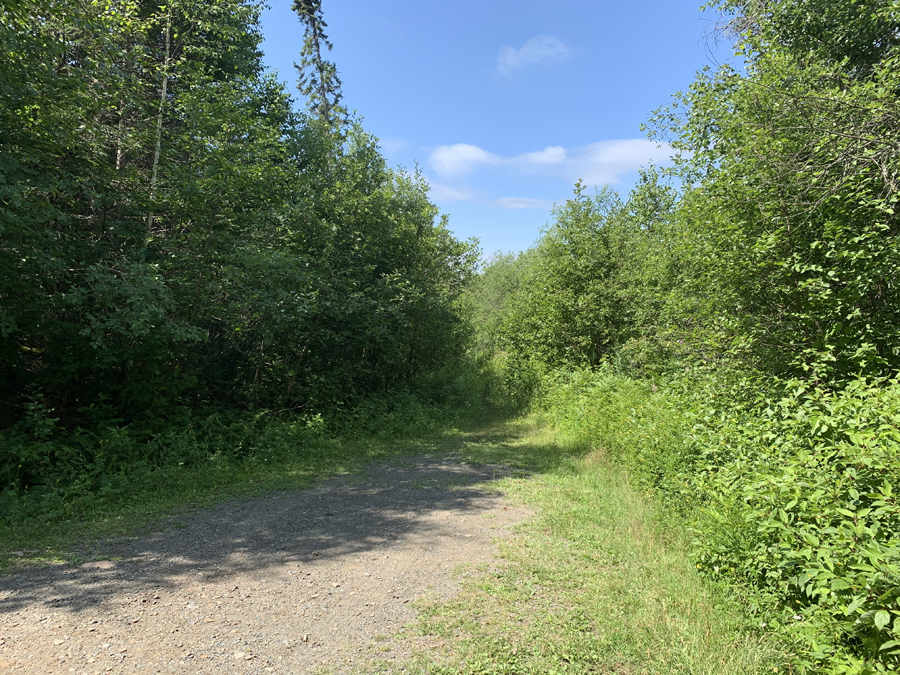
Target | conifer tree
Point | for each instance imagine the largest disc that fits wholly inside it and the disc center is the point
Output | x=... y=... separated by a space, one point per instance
x=318 y=78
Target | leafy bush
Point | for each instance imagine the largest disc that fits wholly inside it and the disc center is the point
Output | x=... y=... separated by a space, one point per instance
x=791 y=497
x=59 y=477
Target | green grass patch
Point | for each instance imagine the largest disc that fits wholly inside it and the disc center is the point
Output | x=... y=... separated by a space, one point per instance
x=595 y=582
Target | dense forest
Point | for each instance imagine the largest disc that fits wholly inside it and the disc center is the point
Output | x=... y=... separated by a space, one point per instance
x=729 y=329
x=186 y=259
x=180 y=245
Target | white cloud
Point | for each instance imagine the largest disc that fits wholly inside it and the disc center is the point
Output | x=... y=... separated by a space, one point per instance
x=540 y=50
x=522 y=203
x=604 y=162
x=460 y=159
x=446 y=193
x=596 y=164
x=548 y=156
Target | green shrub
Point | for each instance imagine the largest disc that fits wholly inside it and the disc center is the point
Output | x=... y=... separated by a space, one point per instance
x=791 y=497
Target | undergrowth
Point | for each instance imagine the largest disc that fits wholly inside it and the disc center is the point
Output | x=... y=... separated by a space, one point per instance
x=64 y=489
x=788 y=491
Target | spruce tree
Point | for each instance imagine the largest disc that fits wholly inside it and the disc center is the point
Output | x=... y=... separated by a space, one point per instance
x=318 y=79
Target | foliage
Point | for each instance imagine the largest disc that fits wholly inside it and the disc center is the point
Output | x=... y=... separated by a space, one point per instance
x=178 y=242
x=790 y=496
x=584 y=289
x=796 y=186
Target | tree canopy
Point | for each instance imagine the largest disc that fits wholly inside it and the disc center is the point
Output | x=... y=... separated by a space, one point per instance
x=175 y=236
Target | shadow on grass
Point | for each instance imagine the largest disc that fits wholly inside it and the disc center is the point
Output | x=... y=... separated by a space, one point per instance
x=368 y=511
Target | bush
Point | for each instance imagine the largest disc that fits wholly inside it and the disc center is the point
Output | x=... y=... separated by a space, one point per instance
x=790 y=496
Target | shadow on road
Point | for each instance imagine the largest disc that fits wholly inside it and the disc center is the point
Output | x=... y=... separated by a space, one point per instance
x=373 y=511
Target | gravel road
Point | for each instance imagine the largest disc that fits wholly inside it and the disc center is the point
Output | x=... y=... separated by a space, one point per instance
x=296 y=582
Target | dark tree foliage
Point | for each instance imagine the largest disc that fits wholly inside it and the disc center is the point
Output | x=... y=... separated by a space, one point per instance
x=174 y=237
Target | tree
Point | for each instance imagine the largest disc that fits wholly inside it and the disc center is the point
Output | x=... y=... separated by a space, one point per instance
x=794 y=173
x=336 y=281
x=318 y=79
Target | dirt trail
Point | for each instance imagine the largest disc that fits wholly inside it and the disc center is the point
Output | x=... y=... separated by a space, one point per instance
x=291 y=583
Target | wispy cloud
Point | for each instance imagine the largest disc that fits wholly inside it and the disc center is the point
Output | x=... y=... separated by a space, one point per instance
x=393 y=145
x=540 y=50
x=552 y=155
x=523 y=203
x=446 y=193
x=460 y=159
x=596 y=164
x=606 y=161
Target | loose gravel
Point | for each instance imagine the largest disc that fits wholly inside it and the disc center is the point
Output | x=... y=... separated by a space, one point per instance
x=297 y=582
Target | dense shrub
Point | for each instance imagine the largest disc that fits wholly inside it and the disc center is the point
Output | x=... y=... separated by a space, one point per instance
x=791 y=498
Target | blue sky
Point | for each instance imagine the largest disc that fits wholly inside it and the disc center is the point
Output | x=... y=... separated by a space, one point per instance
x=505 y=105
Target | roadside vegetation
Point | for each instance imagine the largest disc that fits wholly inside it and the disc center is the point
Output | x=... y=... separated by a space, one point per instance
x=597 y=581
x=728 y=332
x=201 y=288
x=194 y=276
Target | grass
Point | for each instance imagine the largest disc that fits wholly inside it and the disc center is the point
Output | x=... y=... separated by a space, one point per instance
x=594 y=583
x=62 y=530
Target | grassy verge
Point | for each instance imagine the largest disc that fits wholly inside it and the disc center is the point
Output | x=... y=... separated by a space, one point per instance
x=285 y=455
x=788 y=488
x=595 y=582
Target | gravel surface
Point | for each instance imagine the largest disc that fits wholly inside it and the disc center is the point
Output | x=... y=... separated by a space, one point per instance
x=292 y=583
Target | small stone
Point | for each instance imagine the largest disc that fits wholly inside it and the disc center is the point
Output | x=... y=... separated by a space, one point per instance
x=239 y=655
x=58 y=642
x=99 y=565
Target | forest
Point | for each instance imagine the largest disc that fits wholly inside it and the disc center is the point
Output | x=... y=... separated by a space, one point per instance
x=193 y=272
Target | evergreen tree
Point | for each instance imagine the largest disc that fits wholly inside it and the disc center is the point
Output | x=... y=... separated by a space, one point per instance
x=318 y=79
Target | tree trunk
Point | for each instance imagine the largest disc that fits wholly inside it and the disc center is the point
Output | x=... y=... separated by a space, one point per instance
x=159 y=118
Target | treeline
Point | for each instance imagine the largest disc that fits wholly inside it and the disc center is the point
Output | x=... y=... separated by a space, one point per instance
x=177 y=242
x=729 y=330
